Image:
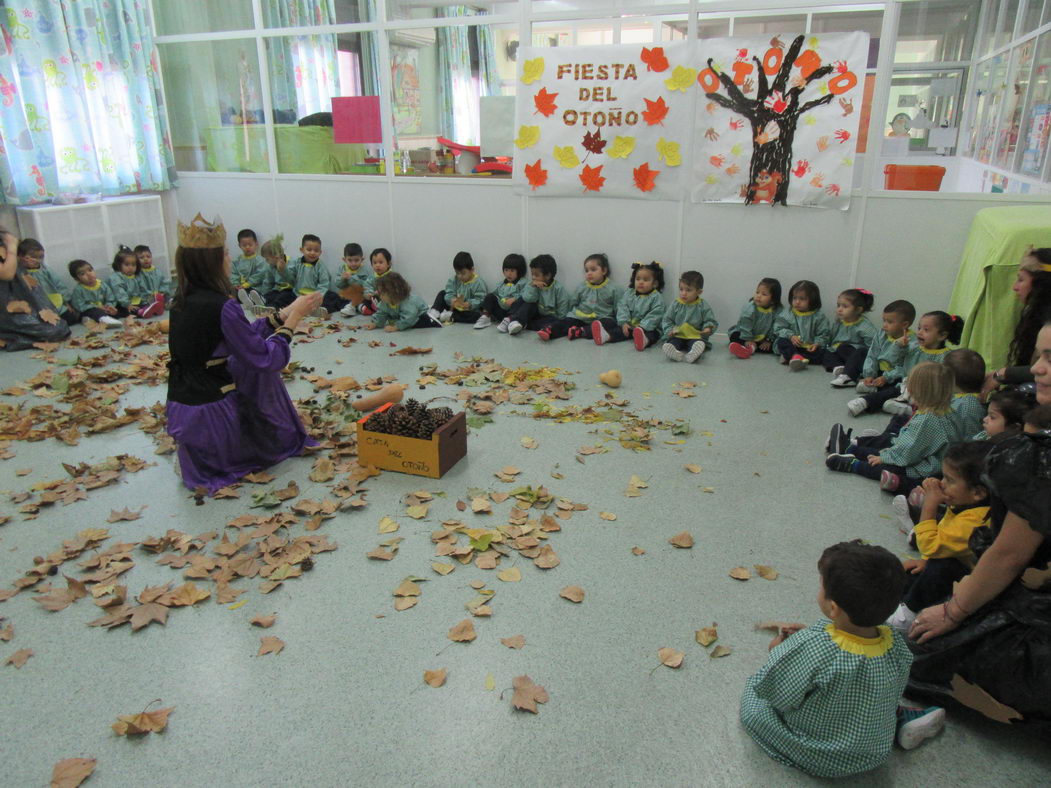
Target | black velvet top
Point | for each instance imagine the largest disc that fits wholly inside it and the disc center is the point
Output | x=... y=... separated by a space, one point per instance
x=195 y=376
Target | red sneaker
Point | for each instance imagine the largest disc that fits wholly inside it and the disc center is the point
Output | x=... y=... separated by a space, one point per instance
x=575 y=332
x=153 y=309
x=641 y=342
x=544 y=334
x=797 y=363
x=598 y=333
x=740 y=350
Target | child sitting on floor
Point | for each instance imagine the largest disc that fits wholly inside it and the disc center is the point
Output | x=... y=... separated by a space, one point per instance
x=935 y=329
x=945 y=553
x=968 y=368
x=153 y=285
x=125 y=288
x=639 y=312
x=380 y=261
x=496 y=304
x=354 y=274
x=250 y=270
x=31 y=256
x=852 y=335
x=754 y=331
x=689 y=322
x=1005 y=414
x=311 y=275
x=916 y=452
x=884 y=366
x=544 y=300
x=595 y=298
x=827 y=699
x=90 y=297
x=803 y=331
x=278 y=286
x=461 y=300
x=399 y=310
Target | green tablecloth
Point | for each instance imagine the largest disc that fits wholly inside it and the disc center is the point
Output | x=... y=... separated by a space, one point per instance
x=304 y=149
x=982 y=294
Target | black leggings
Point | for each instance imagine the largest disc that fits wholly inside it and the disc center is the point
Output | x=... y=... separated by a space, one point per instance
x=851 y=357
x=933 y=584
x=735 y=336
x=468 y=316
x=616 y=333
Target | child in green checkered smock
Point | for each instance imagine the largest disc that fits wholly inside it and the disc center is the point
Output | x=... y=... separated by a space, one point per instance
x=827 y=699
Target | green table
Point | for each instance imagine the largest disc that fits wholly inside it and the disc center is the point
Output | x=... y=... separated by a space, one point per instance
x=302 y=149
x=982 y=294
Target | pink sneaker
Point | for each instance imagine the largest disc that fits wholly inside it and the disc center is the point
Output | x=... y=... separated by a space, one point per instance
x=544 y=334
x=641 y=343
x=599 y=333
x=798 y=363
x=740 y=350
x=153 y=309
x=575 y=332
x=889 y=482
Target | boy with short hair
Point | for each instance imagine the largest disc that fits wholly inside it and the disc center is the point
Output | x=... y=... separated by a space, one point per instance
x=462 y=297
x=90 y=297
x=353 y=277
x=884 y=367
x=310 y=274
x=827 y=699
x=250 y=270
x=543 y=301
x=967 y=408
x=689 y=322
x=31 y=257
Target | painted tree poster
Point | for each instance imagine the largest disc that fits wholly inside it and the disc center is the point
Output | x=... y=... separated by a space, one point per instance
x=777 y=119
x=611 y=121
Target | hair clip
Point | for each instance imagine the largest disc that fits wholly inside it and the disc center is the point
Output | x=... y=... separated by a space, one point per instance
x=864 y=291
x=657 y=263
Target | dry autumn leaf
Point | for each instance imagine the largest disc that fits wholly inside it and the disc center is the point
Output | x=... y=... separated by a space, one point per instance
x=18 y=659
x=707 y=635
x=143 y=722
x=418 y=511
x=637 y=551
x=527 y=694
x=270 y=645
x=435 y=678
x=462 y=632
x=71 y=772
x=324 y=470
x=719 y=651
x=740 y=573
x=670 y=657
x=442 y=569
x=264 y=621
x=116 y=515
x=510 y=575
x=515 y=641
x=683 y=540
x=572 y=593
x=547 y=558
x=388 y=526
x=693 y=468
x=405 y=602
x=765 y=572
x=144 y=615
x=529 y=443
x=481 y=505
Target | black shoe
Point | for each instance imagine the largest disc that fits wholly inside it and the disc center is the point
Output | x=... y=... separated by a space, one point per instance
x=840 y=462
x=838 y=440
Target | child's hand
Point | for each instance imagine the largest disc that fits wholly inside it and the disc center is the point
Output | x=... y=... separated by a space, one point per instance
x=797 y=341
x=765 y=345
x=507 y=301
x=914 y=565
x=875 y=459
x=707 y=332
x=902 y=341
x=785 y=633
x=626 y=329
x=390 y=327
x=369 y=326
x=109 y=310
x=933 y=491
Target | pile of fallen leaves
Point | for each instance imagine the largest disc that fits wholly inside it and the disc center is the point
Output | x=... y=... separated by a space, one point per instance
x=82 y=478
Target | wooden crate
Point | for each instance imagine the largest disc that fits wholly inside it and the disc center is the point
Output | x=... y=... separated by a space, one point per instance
x=419 y=457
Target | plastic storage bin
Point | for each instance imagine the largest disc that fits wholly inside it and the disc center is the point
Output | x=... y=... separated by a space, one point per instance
x=913 y=177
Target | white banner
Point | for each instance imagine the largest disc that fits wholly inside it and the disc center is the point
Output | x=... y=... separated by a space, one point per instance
x=777 y=119
x=604 y=121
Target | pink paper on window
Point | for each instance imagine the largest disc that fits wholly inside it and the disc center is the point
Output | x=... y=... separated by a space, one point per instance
x=356 y=119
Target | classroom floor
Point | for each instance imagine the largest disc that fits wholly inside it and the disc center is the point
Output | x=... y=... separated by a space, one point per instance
x=344 y=702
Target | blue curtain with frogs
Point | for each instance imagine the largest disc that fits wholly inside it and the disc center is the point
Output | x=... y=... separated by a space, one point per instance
x=81 y=110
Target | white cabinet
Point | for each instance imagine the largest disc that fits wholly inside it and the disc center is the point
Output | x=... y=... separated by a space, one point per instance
x=93 y=231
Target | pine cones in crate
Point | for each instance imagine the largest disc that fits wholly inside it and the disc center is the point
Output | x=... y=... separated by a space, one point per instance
x=411 y=419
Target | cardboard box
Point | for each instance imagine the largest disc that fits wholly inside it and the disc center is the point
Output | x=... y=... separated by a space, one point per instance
x=419 y=457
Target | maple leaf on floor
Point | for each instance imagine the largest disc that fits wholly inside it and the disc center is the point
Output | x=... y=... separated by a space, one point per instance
x=18 y=659
x=654 y=59
x=270 y=645
x=593 y=141
x=655 y=112
x=144 y=615
x=545 y=102
x=143 y=722
x=435 y=678
x=592 y=178
x=645 y=178
x=411 y=351
x=71 y=772
x=116 y=515
x=527 y=694
x=323 y=471
x=706 y=635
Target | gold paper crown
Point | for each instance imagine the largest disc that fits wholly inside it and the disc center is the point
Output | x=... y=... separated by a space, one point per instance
x=200 y=234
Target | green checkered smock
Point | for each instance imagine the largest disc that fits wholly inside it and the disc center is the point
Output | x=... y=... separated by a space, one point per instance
x=825 y=701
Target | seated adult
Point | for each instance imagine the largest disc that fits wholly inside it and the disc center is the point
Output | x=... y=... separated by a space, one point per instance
x=989 y=644
x=228 y=409
x=26 y=313
x=1033 y=289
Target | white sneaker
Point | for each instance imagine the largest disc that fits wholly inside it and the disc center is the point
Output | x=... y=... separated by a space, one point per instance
x=864 y=388
x=673 y=352
x=483 y=322
x=841 y=382
x=514 y=327
x=349 y=310
x=599 y=333
x=503 y=325
x=837 y=371
x=446 y=316
x=434 y=314
x=895 y=408
x=695 y=352
x=244 y=298
x=900 y=505
x=857 y=406
x=901 y=619
x=917 y=725
x=110 y=322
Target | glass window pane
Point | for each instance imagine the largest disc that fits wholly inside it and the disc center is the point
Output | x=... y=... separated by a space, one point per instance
x=920 y=101
x=985 y=123
x=1011 y=118
x=936 y=31
x=306 y=73
x=769 y=25
x=713 y=27
x=1005 y=22
x=215 y=105
x=1031 y=21
x=636 y=32
x=673 y=28
x=628 y=6
x=565 y=34
x=174 y=17
x=870 y=22
x=310 y=13
x=439 y=87
x=431 y=9
x=1038 y=113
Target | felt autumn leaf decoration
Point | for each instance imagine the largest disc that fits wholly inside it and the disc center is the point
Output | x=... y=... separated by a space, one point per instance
x=143 y=722
x=669 y=152
x=682 y=78
x=593 y=141
x=592 y=178
x=655 y=112
x=621 y=147
x=532 y=70
x=545 y=102
x=528 y=136
x=566 y=156
x=654 y=59
x=645 y=177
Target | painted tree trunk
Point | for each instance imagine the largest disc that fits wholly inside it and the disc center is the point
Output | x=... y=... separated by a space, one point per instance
x=771 y=163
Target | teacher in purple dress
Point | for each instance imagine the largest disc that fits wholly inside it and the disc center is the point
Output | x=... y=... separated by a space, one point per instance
x=228 y=409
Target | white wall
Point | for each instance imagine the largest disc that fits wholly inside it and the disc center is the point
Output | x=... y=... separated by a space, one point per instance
x=903 y=246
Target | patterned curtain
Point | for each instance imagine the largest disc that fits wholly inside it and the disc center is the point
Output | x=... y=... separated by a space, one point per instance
x=370 y=57
x=488 y=76
x=80 y=101
x=304 y=70
x=457 y=92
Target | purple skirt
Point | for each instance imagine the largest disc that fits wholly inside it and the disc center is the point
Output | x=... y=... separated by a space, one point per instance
x=249 y=429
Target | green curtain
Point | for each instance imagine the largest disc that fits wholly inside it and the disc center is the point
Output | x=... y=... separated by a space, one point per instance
x=488 y=76
x=80 y=101
x=304 y=70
